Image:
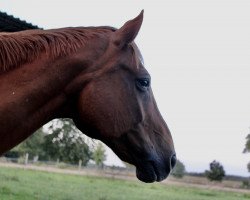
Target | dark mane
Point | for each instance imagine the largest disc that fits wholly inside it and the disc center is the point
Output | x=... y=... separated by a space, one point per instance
x=22 y=47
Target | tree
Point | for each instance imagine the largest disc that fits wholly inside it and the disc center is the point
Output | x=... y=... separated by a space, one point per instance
x=216 y=172
x=247 y=149
x=66 y=143
x=59 y=139
x=247 y=145
x=179 y=170
x=32 y=145
x=99 y=155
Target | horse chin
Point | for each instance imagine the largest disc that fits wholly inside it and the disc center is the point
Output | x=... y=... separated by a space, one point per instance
x=150 y=173
x=147 y=176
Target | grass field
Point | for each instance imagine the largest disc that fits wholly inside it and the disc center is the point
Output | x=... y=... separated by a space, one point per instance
x=20 y=184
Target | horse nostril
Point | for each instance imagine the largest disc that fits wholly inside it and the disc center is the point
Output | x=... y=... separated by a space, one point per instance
x=173 y=161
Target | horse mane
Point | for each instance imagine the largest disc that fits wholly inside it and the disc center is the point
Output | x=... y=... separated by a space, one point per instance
x=21 y=47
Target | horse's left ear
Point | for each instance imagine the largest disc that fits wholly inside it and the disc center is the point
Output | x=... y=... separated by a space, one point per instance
x=128 y=32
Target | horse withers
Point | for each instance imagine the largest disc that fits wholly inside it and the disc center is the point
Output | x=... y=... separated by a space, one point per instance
x=93 y=75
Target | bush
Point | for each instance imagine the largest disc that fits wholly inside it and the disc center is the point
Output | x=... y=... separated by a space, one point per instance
x=179 y=170
x=246 y=184
x=216 y=172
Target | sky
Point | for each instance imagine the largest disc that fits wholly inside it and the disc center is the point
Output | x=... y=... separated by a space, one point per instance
x=198 y=54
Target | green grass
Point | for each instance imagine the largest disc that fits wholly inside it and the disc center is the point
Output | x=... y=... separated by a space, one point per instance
x=19 y=184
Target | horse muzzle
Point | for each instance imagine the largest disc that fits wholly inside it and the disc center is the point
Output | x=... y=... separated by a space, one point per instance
x=155 y=169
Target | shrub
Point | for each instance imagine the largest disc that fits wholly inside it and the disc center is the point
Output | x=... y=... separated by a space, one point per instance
x=216 y=172
x=179 y=170
x=246 y=184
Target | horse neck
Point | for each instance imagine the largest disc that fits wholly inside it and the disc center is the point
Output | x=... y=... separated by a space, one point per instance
x=34 y=94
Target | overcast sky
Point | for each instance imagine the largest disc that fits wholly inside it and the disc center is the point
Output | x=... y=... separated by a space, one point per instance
x=198 y=54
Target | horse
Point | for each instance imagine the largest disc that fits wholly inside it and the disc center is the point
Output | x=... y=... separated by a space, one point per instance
x=93 y=75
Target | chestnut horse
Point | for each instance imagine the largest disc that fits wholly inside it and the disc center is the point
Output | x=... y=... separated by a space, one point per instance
x=93 y=75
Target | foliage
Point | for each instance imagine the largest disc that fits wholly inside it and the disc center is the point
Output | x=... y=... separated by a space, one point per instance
x=247 y=149
x=247 y=145
x=59 y=140
x=99 y=155
x=216 y=172
x=32 y=146
x=246 y=184
x=179 y=170
x=66 y=143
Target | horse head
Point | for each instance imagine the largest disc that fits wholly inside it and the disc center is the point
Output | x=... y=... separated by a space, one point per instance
x=118 y=107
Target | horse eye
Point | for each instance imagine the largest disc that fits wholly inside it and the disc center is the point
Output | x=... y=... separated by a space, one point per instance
x=143 y=84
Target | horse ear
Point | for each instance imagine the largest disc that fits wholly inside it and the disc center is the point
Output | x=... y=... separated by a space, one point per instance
x=128 y=32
